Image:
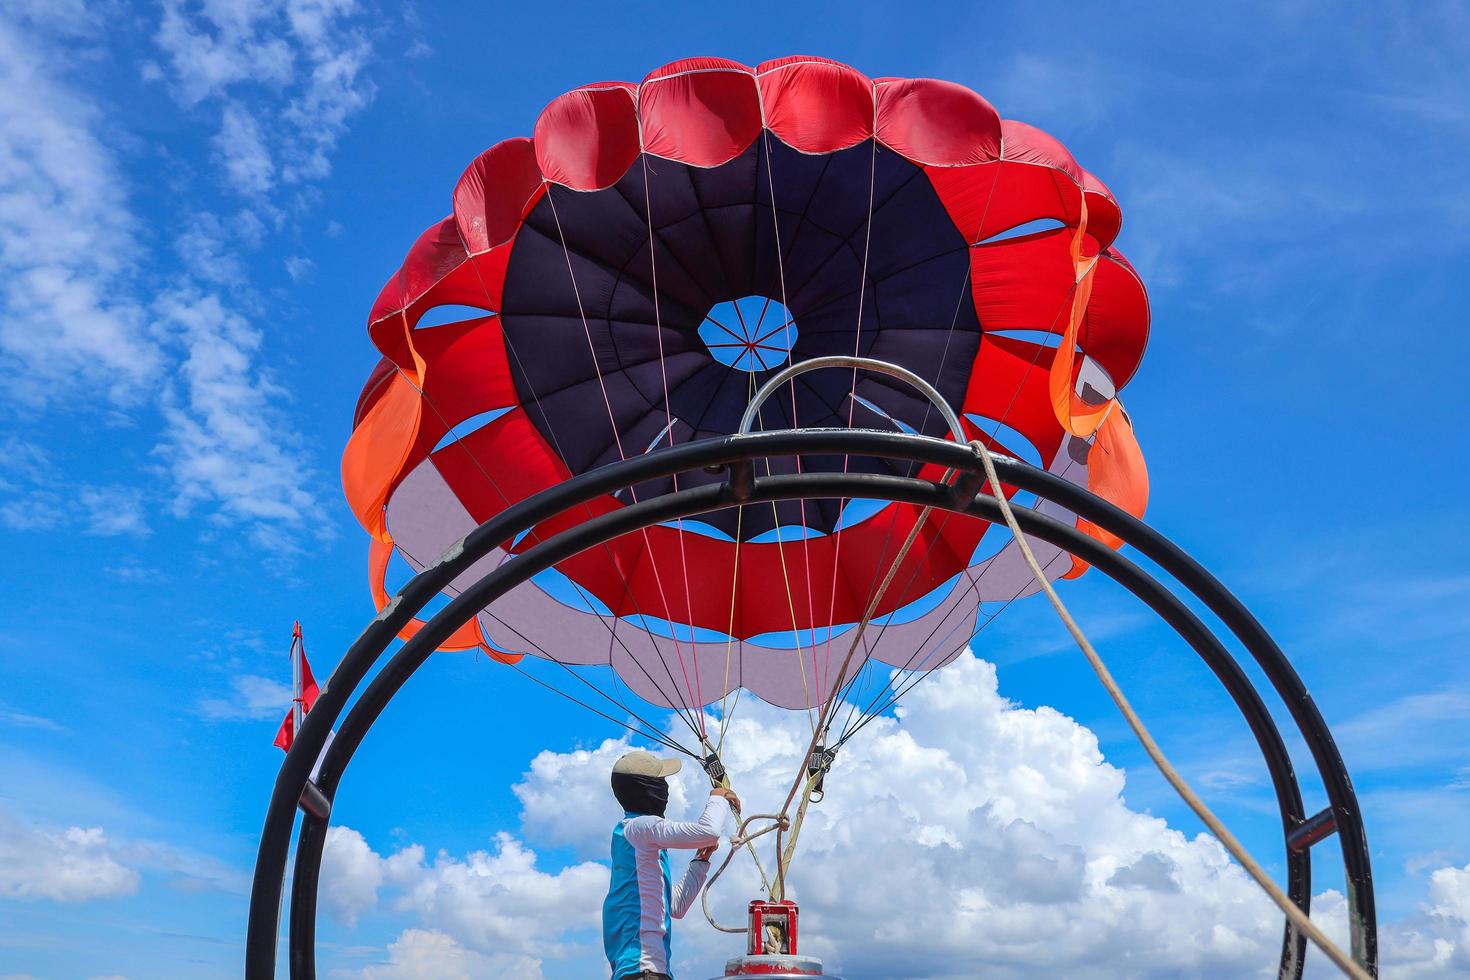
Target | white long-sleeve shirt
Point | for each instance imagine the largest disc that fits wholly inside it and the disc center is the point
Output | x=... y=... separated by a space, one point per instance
x=641 y=899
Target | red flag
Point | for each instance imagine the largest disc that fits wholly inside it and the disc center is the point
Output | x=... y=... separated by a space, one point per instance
x=309 y=691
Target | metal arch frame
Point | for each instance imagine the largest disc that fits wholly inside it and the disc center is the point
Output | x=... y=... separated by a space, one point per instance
x=294 y=788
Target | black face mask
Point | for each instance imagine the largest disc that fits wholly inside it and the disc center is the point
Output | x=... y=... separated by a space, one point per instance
x=644 y=795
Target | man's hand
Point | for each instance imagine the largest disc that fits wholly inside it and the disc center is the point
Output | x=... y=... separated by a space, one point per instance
x=703 y=854
x=728 y=794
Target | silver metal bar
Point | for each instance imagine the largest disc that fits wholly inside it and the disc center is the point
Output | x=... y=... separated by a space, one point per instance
x=866 y=364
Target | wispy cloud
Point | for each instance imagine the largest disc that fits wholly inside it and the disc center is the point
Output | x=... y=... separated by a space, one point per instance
x=80 y=324
x=228 y=442
x=36 y=496
x=1409 y=731
x=252 y=698
x=243 y=153
x=22 y=719
x=286 y=75
x=70 y=320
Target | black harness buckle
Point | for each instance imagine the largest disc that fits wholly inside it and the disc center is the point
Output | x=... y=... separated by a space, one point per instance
x=819 y=765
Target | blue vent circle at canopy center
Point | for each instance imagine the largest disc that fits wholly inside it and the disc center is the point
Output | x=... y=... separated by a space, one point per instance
x=753 y=333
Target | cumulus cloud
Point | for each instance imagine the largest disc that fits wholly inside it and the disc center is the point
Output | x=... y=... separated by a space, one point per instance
x=582 y=774
x=73 y=864
x=1006 y=846
x=967 y=837
x=1436 y=942
x=425 y=954
x=1004 y=839
x=492 y=913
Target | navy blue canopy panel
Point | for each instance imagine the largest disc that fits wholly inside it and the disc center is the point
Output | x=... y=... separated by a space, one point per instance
x=581 y=279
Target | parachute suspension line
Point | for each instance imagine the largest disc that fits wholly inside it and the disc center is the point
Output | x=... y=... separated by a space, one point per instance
x=663 y=370
x=823 y=717
x=896 y=690
x=901 y=691
x=849 y=683
x=682 y=711
x=545 y=655
x=1015 y=395
x=725 y=708
x=1063 y=306
x=852 y=386
x=581 y=592
x=647 y=731
x=618 y=442
x=727 y=712
x=875 y=710
x=795 y=424
x=1297 y=917
x=791 y=608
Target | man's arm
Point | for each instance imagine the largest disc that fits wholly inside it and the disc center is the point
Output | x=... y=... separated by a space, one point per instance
x=688 y=889
x=682 y=834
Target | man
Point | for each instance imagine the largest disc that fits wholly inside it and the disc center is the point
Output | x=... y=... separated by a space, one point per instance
x=641 y=899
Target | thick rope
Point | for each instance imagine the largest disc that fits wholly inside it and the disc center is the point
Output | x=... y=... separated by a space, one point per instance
x=824 y=721
x=1296 y=916
x=741 y=839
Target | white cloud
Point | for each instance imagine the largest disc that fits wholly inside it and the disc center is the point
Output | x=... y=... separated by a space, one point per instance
x=1430 y=945
x=298 y=267
x=556 y=777
x=227 y=442
x=492 y=913
x=243 y=152
x=77 y=327
x=1412 y=730
x=1005 y=843
x=35 y=496
x=301 y=63
x=1435 y=943
x=204 y=246
x=74 y=864
x=23 y=719
x=68 y=321
x=113 y=511
x=224 y=45
x=101 y=511
x=253 y=698
x=425 y=954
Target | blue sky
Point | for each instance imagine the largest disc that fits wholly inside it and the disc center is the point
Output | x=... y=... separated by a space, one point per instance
x=198 y=204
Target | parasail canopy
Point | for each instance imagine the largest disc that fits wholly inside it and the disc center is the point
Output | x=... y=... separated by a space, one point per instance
x=629 y=275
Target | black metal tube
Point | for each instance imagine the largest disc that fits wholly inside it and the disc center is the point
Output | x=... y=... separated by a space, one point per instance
x=270 y=868
x=687 y=503
x=263 y=920
x=1315 y=829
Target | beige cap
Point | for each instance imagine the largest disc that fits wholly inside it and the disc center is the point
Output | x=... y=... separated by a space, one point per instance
x=646 y=764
